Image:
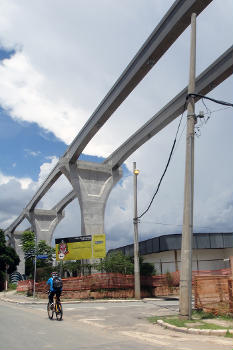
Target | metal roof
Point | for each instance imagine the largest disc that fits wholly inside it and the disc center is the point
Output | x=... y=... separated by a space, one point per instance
x=173 y=242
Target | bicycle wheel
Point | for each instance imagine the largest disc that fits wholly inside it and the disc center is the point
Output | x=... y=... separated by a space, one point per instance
x=50 y=311
x=59 y=311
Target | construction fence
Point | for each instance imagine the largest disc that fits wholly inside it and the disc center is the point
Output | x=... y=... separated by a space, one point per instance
x=212 y=290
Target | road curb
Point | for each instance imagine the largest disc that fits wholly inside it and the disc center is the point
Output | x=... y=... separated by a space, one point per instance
x=34 y=302
x=215 y=332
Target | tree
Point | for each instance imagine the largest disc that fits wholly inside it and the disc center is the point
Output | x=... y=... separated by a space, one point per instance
x=116 y=262
x=30 y=251
x=146 y=269
x=8 y=257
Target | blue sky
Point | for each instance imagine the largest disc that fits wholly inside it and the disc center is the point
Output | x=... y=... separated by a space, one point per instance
x=53 y=79
x=24 y=147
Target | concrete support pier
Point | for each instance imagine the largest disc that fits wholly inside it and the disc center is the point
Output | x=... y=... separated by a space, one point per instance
x=92 y=184
x=17 y=245
x=44 y=222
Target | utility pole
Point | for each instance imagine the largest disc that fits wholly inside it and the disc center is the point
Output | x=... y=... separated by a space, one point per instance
x=187 y=233
x=35 y=263
x=137 y=287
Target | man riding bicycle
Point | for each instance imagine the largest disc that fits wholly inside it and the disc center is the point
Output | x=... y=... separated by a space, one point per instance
x=55 y=287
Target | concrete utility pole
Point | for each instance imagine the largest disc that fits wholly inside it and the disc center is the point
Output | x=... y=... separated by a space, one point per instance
x=137 y=287
x=187 y=234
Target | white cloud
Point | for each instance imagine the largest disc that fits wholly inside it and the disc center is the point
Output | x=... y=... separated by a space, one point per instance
x=24 y=182
x=32 y=153
x=22 y=94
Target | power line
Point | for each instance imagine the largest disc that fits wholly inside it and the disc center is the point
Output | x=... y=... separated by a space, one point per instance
x=174 y=142
x=165 y=170
x=166 y=224
x=210 y=98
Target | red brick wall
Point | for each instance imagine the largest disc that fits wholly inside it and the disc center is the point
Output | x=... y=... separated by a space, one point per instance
x=230 y=290
x=212 y=293
x=24 y=286
x=114 y=285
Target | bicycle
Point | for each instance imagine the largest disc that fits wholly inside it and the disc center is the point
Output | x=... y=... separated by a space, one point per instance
x=55 y=307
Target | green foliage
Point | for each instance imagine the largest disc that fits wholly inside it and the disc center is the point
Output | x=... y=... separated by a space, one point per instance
x=8 y=257
x=228 y=334
x=12 y=286
x=146 y=269
x=30 y=250
x=200 y=318
x=73 y=267
x=116 y=262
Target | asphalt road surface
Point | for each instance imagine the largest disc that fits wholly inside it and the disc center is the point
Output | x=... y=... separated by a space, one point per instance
x=96 y=325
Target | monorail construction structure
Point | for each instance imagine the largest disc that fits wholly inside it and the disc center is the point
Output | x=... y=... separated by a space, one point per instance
x=92 y=182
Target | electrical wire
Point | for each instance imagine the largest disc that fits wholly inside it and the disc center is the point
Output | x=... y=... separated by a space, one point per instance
x=165 y=170
x=211 y=99
x=174 y=142
x=204 y=117
x=218 y=110
x=166 y=224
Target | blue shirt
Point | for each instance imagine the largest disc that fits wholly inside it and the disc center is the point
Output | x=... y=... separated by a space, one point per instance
x=50 y=283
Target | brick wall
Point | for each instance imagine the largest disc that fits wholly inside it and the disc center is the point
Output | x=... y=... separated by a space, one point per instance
x=114 y=285
x=108 y=285
x=213 y=294
x=24 y=286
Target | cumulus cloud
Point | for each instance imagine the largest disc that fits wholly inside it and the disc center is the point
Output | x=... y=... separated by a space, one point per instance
x=22 y=95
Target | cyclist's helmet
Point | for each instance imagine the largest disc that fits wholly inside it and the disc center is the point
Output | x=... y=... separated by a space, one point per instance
x=54 y=274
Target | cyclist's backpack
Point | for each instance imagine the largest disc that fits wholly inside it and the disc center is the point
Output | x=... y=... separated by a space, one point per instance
x=57 y=284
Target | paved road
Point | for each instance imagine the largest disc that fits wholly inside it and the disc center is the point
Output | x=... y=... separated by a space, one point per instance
x=94 y=325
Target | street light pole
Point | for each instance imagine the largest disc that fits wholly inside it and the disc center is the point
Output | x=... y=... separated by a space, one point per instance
x=137 y=288
x=6 y=278
x=187 y=233
x=35 y=263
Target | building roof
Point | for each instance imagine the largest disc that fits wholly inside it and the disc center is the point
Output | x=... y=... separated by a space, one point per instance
x=173 y=242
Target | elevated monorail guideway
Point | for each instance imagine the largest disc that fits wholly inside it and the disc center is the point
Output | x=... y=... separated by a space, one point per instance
x=81 y=175
x=214 y=75
x=172 y=25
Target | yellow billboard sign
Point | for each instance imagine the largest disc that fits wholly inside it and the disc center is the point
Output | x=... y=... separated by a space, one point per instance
x=81 y=247
x=99 y=246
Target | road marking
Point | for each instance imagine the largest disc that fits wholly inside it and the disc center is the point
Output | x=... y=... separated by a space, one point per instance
x=147 y=337
x=91 y=322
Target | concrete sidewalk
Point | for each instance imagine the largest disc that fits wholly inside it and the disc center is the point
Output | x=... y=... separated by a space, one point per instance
x=22 y=298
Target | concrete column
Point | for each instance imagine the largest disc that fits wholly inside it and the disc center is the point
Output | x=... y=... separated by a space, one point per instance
x=185 y=303
x=92 y=184
x=44 y=223
x=17 y=245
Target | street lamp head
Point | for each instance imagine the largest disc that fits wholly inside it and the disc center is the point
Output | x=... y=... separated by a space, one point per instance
x=136 y=171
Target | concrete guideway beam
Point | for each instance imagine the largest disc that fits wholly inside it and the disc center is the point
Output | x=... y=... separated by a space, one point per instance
x=214 y=75
x=47 y=184
x=64 y=202
x=92 y=184
x=15 y=223
x=172 y=25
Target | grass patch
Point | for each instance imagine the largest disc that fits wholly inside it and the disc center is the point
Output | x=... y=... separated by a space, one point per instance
x=202 y=315
x=199 y=317
x=154 y=319
x=207 y=325
x=11 y=286
x=228 y=334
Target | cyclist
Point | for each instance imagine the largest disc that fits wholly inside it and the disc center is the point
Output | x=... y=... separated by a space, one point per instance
x=55 y=287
